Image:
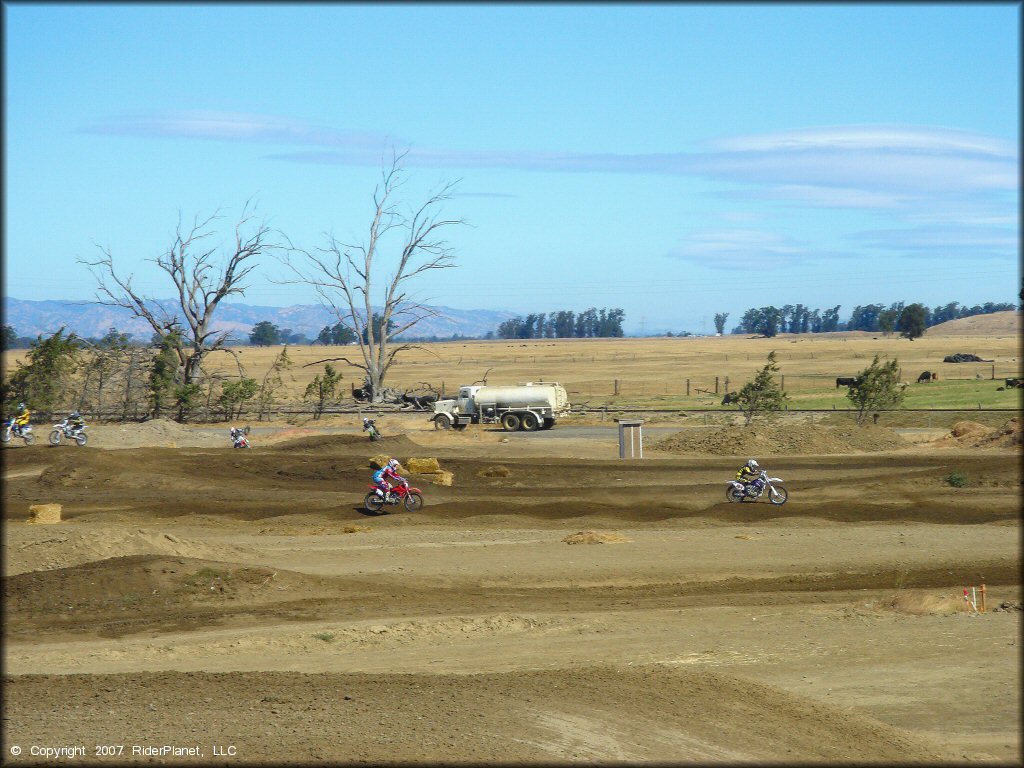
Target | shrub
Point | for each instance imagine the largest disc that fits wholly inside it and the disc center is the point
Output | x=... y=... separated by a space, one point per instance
x=956 y=479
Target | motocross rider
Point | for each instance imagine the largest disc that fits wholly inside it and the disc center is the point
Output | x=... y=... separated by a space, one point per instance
x=23 y=417
x=750 y=475
x=388 y=472
x=368 y=424
x=75 y=421
x=236 y=436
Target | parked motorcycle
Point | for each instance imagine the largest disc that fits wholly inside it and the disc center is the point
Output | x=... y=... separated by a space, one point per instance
x=239 y=438
x=736 y=491
x=10 y=429
x=369 y=426
x=411 y=498
x=71 y=432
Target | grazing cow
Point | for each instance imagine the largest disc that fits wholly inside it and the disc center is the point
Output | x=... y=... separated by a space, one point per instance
x=845 y=381
x=1014 y=383
x=731 y=397
x=927 y=376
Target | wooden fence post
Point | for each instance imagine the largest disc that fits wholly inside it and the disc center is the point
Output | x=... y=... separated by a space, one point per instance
x=616 y=387
x=782 y=386
x=716 y=385
x=727 y=384
x=687 y=387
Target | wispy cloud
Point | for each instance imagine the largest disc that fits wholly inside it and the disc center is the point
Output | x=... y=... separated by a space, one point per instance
x=965 y=242
x=856 y=166
x=746 y=249
x=240 y=127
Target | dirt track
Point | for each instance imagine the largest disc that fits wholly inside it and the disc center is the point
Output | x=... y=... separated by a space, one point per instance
x=204 y=596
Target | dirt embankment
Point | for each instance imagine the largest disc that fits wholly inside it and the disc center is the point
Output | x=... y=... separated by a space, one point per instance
x=971 y=434
x=767 y=439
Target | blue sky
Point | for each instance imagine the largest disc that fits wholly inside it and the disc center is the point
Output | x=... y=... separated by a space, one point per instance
x=672 y=160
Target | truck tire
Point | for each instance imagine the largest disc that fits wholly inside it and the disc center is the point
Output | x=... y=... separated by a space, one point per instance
x=548 y=423
x=530 y=422
x=442 y=421
x=510 y=422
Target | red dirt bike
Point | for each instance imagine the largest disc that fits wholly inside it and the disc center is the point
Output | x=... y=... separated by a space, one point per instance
x=410 y=498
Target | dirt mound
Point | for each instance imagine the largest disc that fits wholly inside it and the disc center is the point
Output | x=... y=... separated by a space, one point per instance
x=152 y=587
x=768 y=439
x=63 y=548
x=593 y=537
x=163 y=433
x=971 y=434
x=348 y=445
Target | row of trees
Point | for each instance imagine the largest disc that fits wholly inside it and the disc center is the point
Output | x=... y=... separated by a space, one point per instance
x=126 y=381
x=591 y=323
x=875 y=318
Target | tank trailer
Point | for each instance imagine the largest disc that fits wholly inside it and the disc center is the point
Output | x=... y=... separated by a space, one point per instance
x=528 y=407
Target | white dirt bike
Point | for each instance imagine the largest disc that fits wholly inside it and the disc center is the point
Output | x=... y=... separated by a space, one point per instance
x=11 y=430
x=737 y=491
x=63 y=429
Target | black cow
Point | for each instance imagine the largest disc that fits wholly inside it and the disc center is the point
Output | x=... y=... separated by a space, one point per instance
x=845 y=381
x=731 y=397
x=1014 y=383
x=927 y=376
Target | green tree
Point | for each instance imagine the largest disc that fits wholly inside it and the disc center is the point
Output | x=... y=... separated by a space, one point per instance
x=322 y=389
x=264 y=334
x=10 y=337
x=912 y=321
x=720 y=318
x=272 y=382
x=876 y=387
x=163 y=374
x=886 y=321
x=235 y=394
x=44 y=382
x=105 y=359
x=762 y=394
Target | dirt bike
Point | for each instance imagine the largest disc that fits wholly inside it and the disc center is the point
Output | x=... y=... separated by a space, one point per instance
x=71 y=432
x=10 y=429
x=374 y=432
x=411 y=498
x=737 y=491
x=239 y=438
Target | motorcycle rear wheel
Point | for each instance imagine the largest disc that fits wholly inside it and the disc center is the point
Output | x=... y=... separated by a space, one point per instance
x=777 y=495
x=5 y=436
x=413 y=502
x=373 y=502
x=55 y=437
x=733 y=494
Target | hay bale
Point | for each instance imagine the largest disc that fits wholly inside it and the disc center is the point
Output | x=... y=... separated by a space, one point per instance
x=442 y=477
x=423 y=466
x=593 y=537
x=496 y=471
x=379 y=460
x=44 y=513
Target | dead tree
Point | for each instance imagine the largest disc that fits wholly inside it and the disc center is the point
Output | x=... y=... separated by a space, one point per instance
x=344 y=276
x=199 y=286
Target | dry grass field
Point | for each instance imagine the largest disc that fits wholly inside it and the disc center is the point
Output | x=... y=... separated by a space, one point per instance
x=554 y=604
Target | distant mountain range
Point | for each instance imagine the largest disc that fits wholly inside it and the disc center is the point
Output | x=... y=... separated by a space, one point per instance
x=86 y=319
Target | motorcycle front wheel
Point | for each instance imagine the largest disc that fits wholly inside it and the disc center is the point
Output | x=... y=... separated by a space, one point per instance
x=413 y=502
x=777 y=495
x=373 y=502
x=732 y=493
x=55 y=437
x=81 y=439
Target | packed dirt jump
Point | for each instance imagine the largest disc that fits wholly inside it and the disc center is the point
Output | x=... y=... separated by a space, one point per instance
x=554 y=604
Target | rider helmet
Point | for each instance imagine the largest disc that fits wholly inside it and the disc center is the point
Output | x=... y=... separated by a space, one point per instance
x=393 y=464
x=21 y=406
x=366 y=422
x=752 y=464
x=73 y=415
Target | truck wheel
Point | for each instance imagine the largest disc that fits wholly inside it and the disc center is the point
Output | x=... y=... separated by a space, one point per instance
x=510 y=422
x=442 y=421
x=530 y=422
x=548 y=423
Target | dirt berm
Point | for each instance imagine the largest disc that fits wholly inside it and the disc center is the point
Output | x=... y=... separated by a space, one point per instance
x=768 y=439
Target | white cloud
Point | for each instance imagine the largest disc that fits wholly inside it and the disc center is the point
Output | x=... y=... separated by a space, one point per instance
x=745 y=249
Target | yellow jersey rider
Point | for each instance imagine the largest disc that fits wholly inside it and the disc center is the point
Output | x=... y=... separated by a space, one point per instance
x=22 y=418
x=750 y=475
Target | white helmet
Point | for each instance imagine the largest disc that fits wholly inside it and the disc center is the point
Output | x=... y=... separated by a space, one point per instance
x=753 y=464
x=365 y=422
x=393 y=463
